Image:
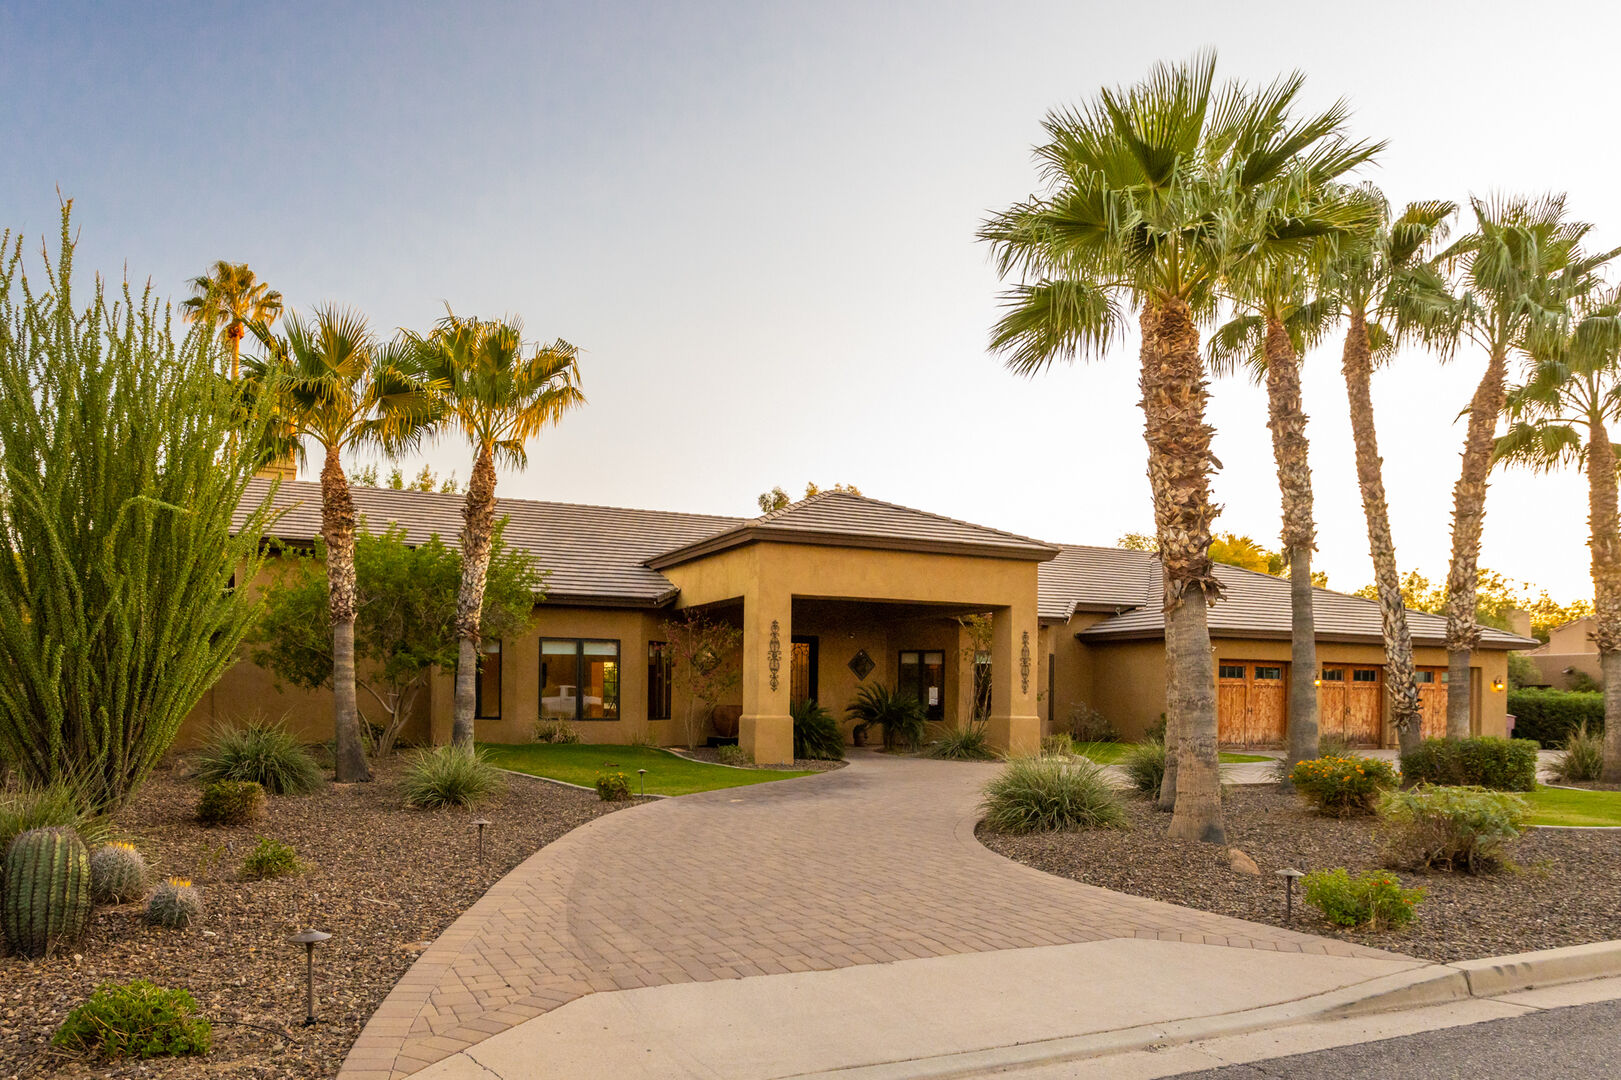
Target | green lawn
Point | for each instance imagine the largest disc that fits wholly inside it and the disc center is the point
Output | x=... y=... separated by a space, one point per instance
x=1570 y=806
x=1108 y=753
x=667 y=773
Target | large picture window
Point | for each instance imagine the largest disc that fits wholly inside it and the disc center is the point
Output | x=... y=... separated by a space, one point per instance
x=487 y=687
x=579 y=679
x=660 y=669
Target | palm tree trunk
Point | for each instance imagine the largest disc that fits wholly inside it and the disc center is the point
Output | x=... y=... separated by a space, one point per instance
x=338 y=530
x=479 y=516
x=1468 y=514
x=1173 y=731
x=1604 y=520
x=1287 y=420
x=1405 y=707
x=1179 y=466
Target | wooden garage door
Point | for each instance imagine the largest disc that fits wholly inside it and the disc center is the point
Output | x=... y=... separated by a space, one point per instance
x=1432 y=698
x=1251 y=702
x=1349 y=703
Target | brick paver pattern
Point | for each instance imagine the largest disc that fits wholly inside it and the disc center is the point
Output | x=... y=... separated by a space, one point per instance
x=873 y=863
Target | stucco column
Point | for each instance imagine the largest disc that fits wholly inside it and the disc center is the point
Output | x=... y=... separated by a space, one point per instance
x=1015 y=727
x=766 y=731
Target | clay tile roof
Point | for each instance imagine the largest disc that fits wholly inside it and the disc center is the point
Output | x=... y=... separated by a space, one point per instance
x=843 y=519
x=1093 y=579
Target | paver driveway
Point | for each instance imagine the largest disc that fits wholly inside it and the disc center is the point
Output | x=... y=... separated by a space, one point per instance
x=873 y=863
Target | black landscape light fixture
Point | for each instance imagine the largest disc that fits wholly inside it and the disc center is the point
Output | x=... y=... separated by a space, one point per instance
x=480 y=823
x=1289 y=874
x=309 y=939
x=641 y=779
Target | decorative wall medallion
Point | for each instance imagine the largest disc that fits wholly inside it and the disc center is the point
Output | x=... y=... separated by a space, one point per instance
x=1024 y=664
x=773 y=653
x=861 y=664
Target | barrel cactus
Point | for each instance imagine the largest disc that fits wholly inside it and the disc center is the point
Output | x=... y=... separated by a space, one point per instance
x=117 y=874
x=175 y=903
x=47 y=893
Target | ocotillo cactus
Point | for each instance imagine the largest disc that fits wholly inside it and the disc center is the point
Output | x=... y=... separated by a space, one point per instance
x=47 y=892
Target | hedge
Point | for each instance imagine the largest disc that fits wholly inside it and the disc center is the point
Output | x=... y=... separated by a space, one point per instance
x=1549 y=715
x=1499 y=764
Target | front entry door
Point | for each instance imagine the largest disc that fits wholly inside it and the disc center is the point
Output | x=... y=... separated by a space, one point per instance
x=1432 y=698
x=1251 y=702
x=802 y=671
x=923 y=676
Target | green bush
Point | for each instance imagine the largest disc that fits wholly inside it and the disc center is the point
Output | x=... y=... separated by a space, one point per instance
x=118 y=874
x=899 y=715
x=555 y=731
x=1087 y=725
x=231 y=802
x=270 y=859
x=816 y=733
x=1484 y=761
x=449 y=776
x=43 y=808
x=1343 y=786
x=136 y=1019
x=1451 y=828
x=262 y=751
x=1547 y=716
x=733 y=754
x=175 y=903
x=1583 y=757
x=613 y=787
x=963 y=744
x=1374 y=900
x=1144 y=766
x=1037 y=794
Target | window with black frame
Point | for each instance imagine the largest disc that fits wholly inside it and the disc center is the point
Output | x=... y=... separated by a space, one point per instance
x=487 y=687
x=579 y=679
x=660 y=669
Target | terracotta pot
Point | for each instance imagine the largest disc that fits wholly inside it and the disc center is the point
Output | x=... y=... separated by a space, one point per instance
x=725 y=718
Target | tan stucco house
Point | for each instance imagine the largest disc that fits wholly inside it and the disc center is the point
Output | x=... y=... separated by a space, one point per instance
x=841 y=590
x=1570 y=656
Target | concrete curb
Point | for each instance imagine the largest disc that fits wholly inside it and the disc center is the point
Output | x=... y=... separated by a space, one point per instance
x=1423 y=986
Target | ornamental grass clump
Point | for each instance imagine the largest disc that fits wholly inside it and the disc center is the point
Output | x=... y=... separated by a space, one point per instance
x=1469 y=829
x=231 y=802
x=1343 y=786
x=1144 y=766
x=1037 y=794
x=136 y=1019
x=449 y=776
x=555 y=732
x=118 y=874
x=55 y=804
x=962 y=744
x=262 y=751
x=175 y=904
x=1583 y=757
x=1375 y=900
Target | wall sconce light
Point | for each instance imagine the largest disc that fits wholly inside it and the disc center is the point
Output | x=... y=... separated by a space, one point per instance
x=309 y=939
x=1497 y=686
x=1317 y=682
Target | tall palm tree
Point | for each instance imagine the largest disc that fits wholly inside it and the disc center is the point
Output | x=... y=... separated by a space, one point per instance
x=500 y=394
x=1563 y=415
x=1388 y=288
x=1279 y=316
x=1515 y=272
x=333 y=384
x=228 y=299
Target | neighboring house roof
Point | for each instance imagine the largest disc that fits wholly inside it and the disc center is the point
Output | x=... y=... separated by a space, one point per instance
x=1559 y=638
x=1092 y=579
x=843 y=519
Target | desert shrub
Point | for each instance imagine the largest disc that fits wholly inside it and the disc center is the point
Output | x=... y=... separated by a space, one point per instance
x=270 y=859
x=449 y=776
x=1156 y=730
x=1144 y=766
x=1375 y=900
x=1058 y=744
x=1499 y=764
x=118 y=874
x=262 y=751
x=816 y=732
x=613 y=787
x=557 y=731
x=968 y=743
x=1086 y=724
x=1334 y=746
x=1343 y=786
x=45 y=807
x=1522 y=672
x=642 y=740
x=900 y=716
x=136 y=1019
x=1470 y=829
x=1547 y=716
x=175 y=903
x=732 y=754
x=231 y=802
x=1036 y=794
x=1582 y=683
x=1583 y=758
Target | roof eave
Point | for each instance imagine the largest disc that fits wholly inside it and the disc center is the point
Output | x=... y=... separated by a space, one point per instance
x=753 y=533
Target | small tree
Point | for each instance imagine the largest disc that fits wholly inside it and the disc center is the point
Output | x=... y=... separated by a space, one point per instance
x=704 y=663
x=405 y=619
x=980 y=631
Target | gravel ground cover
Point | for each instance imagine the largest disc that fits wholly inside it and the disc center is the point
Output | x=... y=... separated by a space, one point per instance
x=382 y=879
x=1566 y=890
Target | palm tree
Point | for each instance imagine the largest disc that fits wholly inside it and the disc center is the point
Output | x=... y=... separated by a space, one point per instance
x=500 y=394
x=333 y=384
x=1386 y=285
x=228 y=299
x=1515 y=272
x=1279 y=316
x=1562 y=415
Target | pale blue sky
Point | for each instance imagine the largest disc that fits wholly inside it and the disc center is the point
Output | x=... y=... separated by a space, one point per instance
x=757 y=221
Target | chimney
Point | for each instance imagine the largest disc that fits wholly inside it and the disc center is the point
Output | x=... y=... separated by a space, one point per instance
x=281 y=468
x=1519 y=621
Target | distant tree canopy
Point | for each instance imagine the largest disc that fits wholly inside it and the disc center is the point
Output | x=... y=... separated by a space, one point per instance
x=777 y=498
x=1497 y=596
x=426 y=480
x=1234 y=549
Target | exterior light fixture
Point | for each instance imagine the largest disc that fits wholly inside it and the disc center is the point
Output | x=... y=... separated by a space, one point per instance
x=1497 y=686
x=1317 y=682
x=1289 y=874
x=480 y=823
x=641 y=779
x=309 y=939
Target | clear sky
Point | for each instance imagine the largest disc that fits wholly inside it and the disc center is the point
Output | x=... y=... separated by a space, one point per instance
x=757 y=221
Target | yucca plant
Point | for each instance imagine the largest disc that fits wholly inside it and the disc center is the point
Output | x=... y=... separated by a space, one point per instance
x=262 y=751
x=816 y=733
x=899 y=716
x=1037 y=794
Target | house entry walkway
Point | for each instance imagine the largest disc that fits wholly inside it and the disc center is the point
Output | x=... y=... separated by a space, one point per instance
x=873 y=863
